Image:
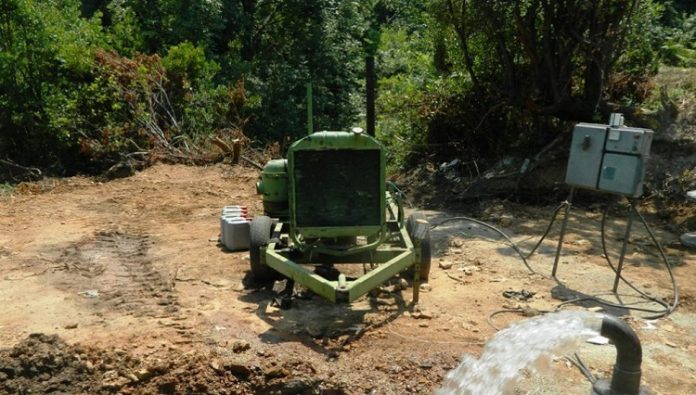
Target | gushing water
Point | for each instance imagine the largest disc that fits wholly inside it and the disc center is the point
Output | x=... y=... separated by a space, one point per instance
x=527 y=344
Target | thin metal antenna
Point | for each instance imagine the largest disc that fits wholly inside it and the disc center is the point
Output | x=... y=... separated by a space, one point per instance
x=563 y=231
x=310 y=122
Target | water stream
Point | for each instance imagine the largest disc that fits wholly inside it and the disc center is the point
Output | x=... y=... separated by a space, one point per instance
x=528 y=344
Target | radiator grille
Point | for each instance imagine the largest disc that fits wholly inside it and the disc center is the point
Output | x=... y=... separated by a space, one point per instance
x=337 y=188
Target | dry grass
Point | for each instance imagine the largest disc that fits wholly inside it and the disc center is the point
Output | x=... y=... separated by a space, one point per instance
x=673 y=103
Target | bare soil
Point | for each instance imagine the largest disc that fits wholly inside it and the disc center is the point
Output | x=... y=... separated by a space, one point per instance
x=122 y=287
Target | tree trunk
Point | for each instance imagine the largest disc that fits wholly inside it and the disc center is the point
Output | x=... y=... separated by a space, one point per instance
x=248 y=40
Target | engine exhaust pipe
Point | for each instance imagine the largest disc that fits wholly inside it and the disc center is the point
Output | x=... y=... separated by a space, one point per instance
x=625 y=379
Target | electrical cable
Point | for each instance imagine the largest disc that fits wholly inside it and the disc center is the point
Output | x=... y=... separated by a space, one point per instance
x=509 y=240
x=489 y=319
x=400 y=192
x=582 y=367
x=517 y=310
x=623 y=295
x=596 y=299
x=675 y=289
x=489 y=226
x=668 y=308
x=548 y=228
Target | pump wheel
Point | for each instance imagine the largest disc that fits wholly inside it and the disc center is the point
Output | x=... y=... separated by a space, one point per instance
x=418 y=229
x=259 y=235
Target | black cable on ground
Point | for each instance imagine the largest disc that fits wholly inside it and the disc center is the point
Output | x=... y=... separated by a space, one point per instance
x=548 y=228
x=582 y=367
x=596 y=299
x=509 y=240
x=668 y=308
x=489 y=226
x=489 y=319
x=675 y=289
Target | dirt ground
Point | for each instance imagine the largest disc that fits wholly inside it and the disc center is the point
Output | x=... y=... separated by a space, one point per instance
x=122 y=287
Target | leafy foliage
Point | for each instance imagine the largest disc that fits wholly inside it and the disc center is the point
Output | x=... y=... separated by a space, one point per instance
x=46 y=49
x=677 y=32
x=526 y=68
x=84 y=83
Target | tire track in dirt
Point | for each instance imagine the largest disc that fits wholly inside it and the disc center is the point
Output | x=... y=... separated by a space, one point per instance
x=112 y=269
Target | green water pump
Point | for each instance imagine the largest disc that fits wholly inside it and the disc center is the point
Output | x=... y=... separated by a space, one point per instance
x=329 y=204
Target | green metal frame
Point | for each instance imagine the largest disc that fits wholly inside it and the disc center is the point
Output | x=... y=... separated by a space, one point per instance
x=395 y=253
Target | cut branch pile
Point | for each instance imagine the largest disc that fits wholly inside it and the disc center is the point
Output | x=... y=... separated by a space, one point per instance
x=14 y=172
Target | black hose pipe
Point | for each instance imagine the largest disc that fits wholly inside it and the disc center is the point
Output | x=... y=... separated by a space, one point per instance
x=625 y=379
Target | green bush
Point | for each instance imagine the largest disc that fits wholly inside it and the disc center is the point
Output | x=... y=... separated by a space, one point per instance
x=83 y=83
x=46 y=53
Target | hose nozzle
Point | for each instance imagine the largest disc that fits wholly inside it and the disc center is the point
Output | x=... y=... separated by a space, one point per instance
x=625 y=379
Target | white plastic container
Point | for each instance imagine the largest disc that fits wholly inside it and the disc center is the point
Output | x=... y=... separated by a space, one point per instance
x=231 y=212
x=234 y=228
x=243 y=211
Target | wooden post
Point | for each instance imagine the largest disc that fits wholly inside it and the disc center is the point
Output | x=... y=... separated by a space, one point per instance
x=236 y=151
x=370 y=94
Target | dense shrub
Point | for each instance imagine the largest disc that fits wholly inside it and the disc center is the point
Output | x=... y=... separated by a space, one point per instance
x=85 y=82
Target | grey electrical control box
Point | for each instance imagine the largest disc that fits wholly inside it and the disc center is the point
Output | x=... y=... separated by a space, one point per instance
x=609 y=158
